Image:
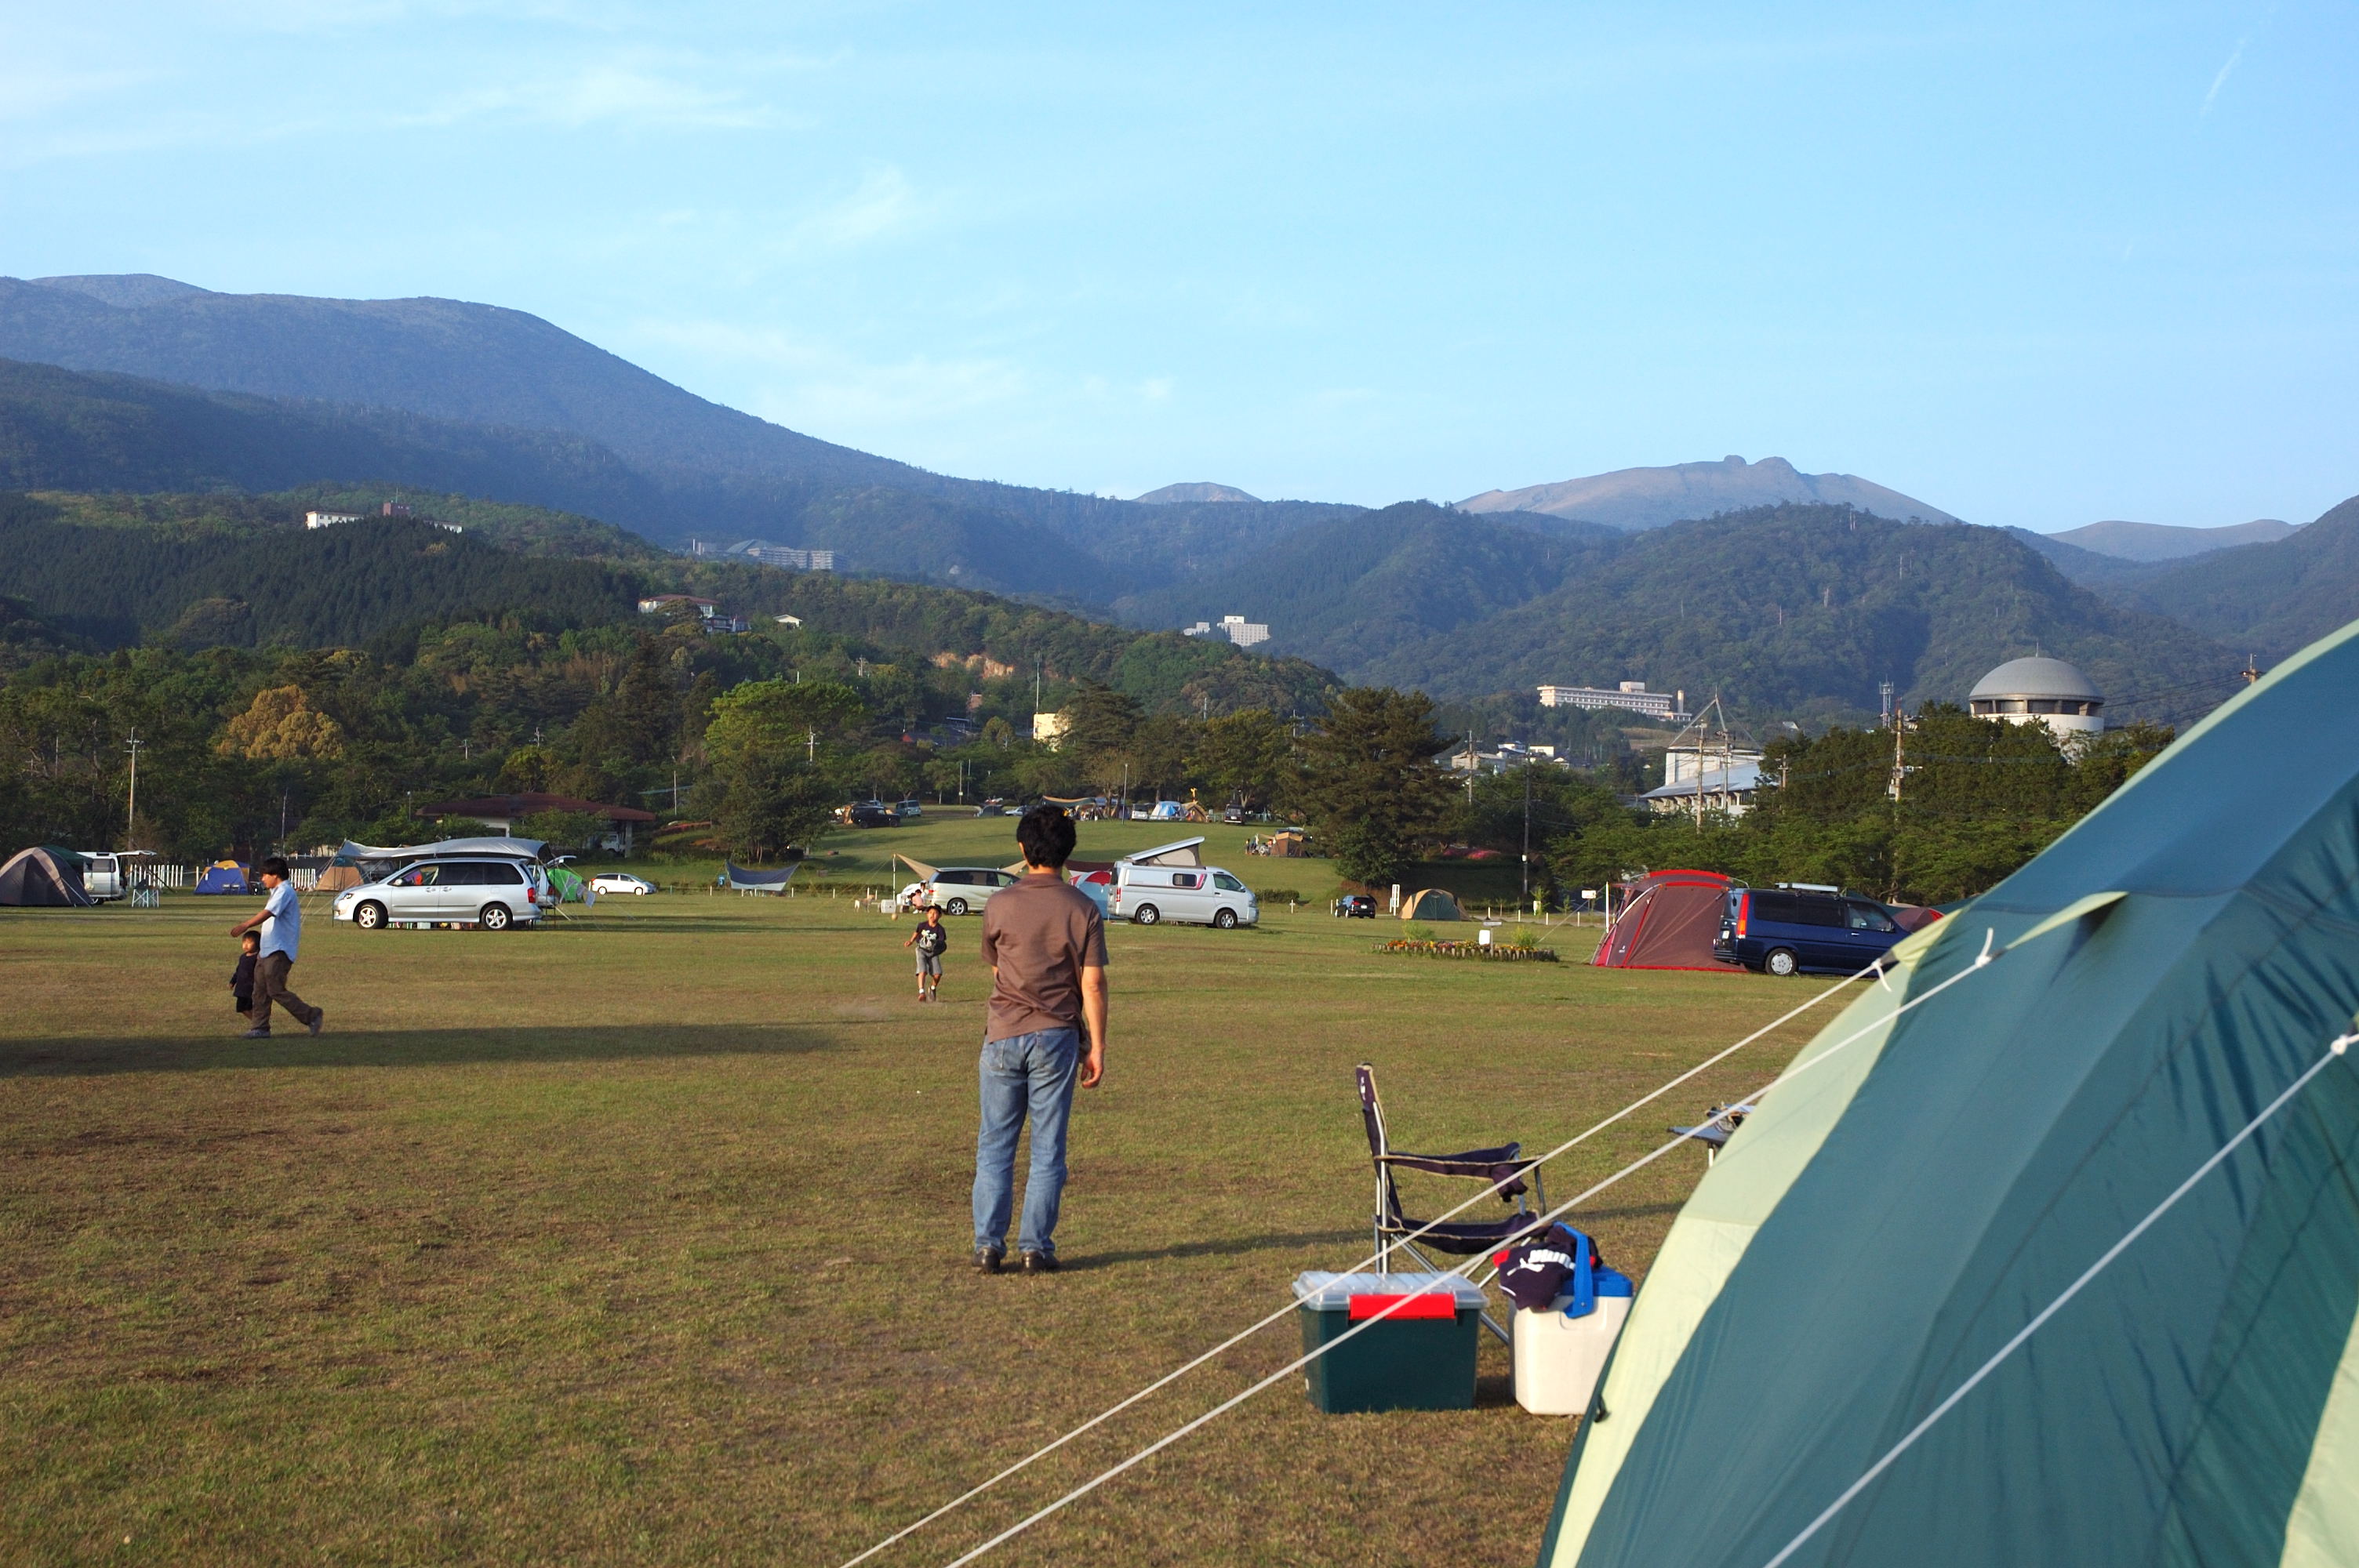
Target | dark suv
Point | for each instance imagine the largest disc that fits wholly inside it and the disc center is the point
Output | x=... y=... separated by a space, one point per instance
x=1786 y=931
x=871 y=814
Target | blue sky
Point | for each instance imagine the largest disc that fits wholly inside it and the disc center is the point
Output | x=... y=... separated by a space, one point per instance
x=2036 y=265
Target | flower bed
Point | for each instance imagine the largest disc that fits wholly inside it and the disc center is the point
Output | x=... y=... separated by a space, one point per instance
x=1492 y=952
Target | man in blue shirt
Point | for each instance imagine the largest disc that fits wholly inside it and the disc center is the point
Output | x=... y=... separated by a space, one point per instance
x=281 y=925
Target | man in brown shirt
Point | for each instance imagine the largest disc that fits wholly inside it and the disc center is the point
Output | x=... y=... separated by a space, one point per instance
x=1045 y=946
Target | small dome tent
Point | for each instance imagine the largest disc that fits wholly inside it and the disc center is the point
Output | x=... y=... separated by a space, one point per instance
x=43 y=879
x=1667 y=921
x=2084 y=1224
x=221 y=877
x=1432 y=903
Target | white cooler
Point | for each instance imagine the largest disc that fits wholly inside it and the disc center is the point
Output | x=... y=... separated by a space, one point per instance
x=1559 y=1359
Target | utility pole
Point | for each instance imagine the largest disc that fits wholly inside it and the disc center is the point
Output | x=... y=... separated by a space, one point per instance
x=1884 y=698
x=131 y=820
x=1524 y=898
x=1900 y=754
x=811 y=746
x=1473 y=766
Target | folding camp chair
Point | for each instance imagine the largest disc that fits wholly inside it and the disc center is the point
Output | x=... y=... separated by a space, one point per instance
x=1503 y=1165
x=1719 y=1125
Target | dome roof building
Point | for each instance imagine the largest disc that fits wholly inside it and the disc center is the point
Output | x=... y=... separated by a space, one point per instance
x=2040 y=691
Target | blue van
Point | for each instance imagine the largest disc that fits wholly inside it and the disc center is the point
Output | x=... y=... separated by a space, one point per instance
x=1787 y=930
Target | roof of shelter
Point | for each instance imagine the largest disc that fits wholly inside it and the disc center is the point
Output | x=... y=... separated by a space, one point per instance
x=2036 y=678
x=1744 y=775
x=527 y=804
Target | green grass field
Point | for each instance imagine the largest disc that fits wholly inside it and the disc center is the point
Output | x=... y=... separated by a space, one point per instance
x=644 y=1238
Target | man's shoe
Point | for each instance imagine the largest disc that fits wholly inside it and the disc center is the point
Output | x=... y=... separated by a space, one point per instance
x=256 y=1035
x=318 y=1018
x=986 y=1259
x=1039 y=1263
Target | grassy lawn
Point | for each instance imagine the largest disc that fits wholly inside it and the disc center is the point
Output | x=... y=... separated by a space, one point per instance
x=643 y=1239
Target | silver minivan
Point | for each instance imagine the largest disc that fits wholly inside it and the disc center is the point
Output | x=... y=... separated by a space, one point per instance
x=1202 y=895
x=457 y=890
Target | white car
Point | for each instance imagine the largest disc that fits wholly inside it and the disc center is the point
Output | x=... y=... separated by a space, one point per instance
x=605 y=882
x=960 y=890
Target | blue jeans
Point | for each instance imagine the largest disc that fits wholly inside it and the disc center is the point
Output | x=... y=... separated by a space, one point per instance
x=1023 y=1072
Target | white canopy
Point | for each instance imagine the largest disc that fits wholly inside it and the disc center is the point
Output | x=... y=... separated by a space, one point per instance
x=515 y=849
x=1182 y=852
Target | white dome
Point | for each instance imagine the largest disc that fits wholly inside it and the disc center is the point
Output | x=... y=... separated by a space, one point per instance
x=2039 y=678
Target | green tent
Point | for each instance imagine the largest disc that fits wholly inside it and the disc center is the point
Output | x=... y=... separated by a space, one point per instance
x=1431 y=904
x=1881 y=1228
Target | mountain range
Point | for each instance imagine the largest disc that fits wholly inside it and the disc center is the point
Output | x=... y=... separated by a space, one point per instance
x=2169 y=542
x=1794 y=593
x=1634 y=499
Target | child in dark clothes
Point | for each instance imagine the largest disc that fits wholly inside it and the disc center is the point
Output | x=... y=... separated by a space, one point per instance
x=240 y=984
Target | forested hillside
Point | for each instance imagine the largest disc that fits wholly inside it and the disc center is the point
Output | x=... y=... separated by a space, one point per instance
x=195 y=572
x=1346 y=592
x=1799 y=612
x=2268 y=599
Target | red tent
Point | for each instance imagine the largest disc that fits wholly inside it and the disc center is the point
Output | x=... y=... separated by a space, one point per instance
x=1667 y=921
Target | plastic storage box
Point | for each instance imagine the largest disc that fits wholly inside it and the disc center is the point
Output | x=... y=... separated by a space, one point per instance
x=1558 y=1359
x=1419 y=1359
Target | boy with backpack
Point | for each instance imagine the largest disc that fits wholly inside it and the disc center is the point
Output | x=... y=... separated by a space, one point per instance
x=931 y=938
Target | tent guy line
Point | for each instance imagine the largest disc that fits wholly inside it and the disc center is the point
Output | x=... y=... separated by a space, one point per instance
x=2335 y=1049
x=1983 y=960
x=1783 y=1019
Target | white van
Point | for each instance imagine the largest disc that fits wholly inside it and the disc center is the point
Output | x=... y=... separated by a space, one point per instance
x=1205 y=895
x=103 y=875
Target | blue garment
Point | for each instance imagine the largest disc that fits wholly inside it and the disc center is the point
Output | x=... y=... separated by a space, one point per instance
x=1024 y=1073
x=284 y=932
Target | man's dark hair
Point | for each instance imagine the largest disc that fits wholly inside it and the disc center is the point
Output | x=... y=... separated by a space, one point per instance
x=275 y=866
x=1047 y=835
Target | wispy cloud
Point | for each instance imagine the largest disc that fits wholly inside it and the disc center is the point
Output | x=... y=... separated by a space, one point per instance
x=607 y=91
x=820 y=386
x=884 y=204
x=2221 y=81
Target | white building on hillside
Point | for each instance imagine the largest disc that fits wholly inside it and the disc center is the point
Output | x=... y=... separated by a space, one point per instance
x=1245 y=634
x=2040 y=691
x=1631 y=697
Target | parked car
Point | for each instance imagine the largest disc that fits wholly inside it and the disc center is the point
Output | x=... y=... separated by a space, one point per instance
x=1355 y=906
x=1794 y=930
x=490 y=892
x=620 y=881
x=1203 y=895
x=910 y=810
x=871 y=814
x=960 y=890
x=1234 y=815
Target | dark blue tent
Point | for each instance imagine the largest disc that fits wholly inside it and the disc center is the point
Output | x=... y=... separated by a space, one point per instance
x=221 y=879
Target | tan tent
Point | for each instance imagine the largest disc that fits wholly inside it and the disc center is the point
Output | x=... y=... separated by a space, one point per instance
x=1287 y=845
x=1434 y=903
x=336 y=878
x=918 y=869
